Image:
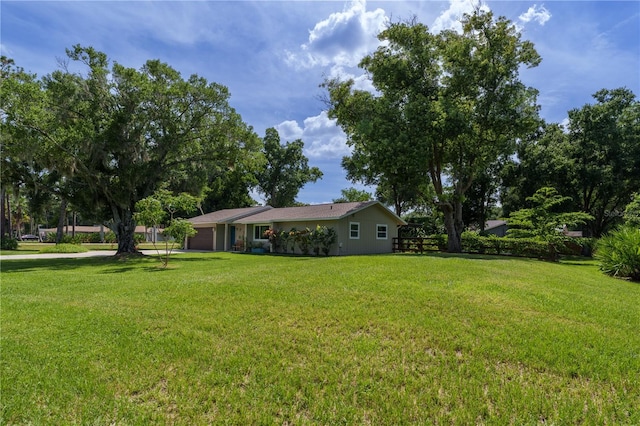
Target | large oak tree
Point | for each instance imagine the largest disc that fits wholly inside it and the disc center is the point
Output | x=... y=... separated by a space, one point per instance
x=459 y=101
x=118 y=134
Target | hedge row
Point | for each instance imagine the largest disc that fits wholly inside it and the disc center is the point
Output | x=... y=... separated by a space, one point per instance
x=523 y=247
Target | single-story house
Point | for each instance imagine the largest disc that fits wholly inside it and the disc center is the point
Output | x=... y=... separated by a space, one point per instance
x=361 y=227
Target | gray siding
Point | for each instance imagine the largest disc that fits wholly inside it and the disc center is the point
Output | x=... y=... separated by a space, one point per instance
x=367 y=243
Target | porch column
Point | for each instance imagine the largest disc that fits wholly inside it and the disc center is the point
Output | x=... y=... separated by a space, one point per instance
x=226 y=237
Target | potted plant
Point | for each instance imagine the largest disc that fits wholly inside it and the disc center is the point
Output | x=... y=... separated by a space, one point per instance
x=257 y=247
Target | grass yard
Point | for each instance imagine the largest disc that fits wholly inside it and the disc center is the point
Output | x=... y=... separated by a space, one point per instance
x=242 y=339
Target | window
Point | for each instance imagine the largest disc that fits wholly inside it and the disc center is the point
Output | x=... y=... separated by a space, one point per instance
x=381 y=232
x=354 y=230
x=258 y=232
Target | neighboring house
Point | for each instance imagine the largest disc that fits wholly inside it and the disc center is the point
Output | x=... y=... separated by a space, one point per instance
x=496 y=227
x=500 y=228
x=150 y=234
x=361 y=227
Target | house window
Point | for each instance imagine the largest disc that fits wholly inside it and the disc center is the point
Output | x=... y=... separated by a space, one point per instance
x=258 y=232
x=354 y=230
x=381 y=232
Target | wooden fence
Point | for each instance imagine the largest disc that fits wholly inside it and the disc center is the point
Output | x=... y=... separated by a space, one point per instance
x=418 y=244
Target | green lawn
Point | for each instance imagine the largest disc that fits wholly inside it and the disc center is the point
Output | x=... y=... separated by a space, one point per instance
x=243 y=339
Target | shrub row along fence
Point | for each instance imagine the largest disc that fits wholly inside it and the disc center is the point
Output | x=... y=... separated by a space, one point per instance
x=474 y=243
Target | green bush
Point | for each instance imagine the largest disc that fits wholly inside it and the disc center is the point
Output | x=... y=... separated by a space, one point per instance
x=140 y=238
x=525 y=247
x=619 y=253
x=9 y=243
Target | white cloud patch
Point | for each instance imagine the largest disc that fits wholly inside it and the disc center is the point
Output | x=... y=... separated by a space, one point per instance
x=360 y=82
x=343 y=39
x=536 y=13
x=450 y=18
x=322 y=138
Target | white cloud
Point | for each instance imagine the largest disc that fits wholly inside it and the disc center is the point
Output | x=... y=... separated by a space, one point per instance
x=536 y=13
x=322 y=138
x=450 y=18
x=343 y=39
x=289 y=130
x=360 y=82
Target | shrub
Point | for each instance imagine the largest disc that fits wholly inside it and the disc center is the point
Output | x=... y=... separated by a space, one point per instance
x=303 y=239
x=329 y=239
x=9 y=243
x=619 y=253
x=524 y=247
x=275 y=239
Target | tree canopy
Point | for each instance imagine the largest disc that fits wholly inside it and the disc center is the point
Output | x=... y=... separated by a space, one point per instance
x=350 y=195
x=286 y=170
x=595 y=160
x=452 y=105
x=383 y=154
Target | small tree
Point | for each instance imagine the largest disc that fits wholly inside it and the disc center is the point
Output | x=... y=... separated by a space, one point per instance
x=543 y=220
x=160 y=208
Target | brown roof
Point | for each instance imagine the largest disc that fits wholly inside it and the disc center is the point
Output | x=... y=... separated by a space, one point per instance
x=227 y=215
x=332 y=211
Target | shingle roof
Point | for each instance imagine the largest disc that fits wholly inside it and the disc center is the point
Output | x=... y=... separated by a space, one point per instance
x=315 y=212
x=228 y=215
x=490 y=224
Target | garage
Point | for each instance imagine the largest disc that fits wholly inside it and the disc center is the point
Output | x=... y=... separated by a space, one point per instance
x=203 y=240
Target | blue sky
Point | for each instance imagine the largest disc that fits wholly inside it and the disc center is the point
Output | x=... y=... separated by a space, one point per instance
x=273 y=55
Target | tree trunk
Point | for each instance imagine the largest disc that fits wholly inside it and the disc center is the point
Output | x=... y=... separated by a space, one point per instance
x=125 y=229
x=3 y=218
x=453 y=224
x=10 y=219
x=61 y=221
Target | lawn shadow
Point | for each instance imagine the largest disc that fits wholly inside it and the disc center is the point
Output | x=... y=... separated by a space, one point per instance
x=155 y=264
x=60 y=264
